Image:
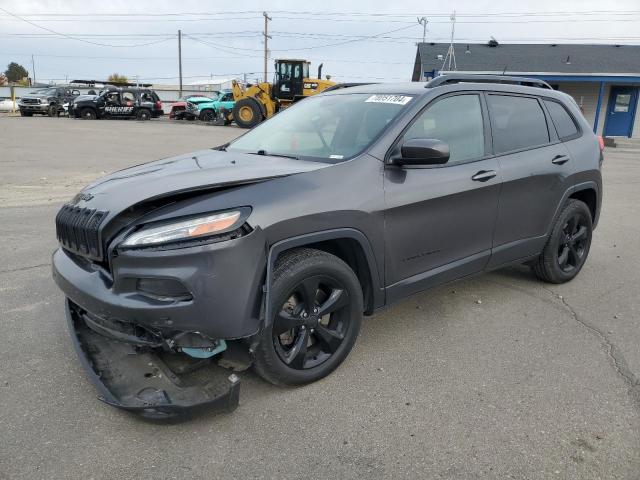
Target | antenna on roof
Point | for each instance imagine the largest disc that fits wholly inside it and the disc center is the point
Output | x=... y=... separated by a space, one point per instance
x=423 y=21
x=451 y=53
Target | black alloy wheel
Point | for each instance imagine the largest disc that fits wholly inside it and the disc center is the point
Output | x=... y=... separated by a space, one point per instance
x=317 y=306
x=572 y=246
x=568 y=245
x=311 y=324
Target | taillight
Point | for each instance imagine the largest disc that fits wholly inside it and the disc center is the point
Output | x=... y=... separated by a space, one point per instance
x=601 y=142
x=158 y=104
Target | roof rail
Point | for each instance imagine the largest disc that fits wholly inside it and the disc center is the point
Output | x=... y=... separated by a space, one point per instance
x=340 y=86
x=451 y=78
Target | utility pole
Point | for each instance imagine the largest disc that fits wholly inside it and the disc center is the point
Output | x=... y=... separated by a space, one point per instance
x=33 y=67
x=266 y=38
x=180 y=60
x=423 y=21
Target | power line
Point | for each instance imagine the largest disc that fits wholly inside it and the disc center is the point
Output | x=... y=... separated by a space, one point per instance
x=78 y=39
x=330 y=13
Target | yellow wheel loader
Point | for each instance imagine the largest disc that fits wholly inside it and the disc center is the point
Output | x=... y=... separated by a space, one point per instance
x=255 y=103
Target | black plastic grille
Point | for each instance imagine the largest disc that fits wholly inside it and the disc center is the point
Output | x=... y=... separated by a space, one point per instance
x=78 y=230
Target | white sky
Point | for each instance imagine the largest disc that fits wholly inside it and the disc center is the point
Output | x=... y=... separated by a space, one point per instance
x=229 y=44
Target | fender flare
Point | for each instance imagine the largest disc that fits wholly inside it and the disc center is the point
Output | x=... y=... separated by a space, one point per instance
x=588 y=185
x=299 y=241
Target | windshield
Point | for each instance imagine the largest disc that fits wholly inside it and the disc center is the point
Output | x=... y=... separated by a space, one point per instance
x=327 y=127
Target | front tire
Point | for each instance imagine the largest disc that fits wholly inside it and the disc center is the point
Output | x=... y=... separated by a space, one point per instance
x=317 y=307
x=246 y=113
x=567 y=248
x=88 y=114
x=207 y=115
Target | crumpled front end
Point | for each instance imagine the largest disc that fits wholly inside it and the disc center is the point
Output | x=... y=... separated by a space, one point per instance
x=150 y=381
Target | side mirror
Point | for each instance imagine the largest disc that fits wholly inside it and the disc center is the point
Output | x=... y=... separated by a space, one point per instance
x=423 y=151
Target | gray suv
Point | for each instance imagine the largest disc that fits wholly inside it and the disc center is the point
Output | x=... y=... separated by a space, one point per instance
x=268 y=251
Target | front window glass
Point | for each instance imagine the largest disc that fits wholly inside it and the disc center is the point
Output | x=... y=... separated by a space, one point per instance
x=327 y=127
x=456 y=121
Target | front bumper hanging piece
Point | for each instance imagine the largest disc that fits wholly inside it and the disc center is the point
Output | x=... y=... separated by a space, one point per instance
x=148 y=381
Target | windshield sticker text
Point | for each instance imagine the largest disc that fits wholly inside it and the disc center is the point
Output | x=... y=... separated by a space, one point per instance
x=395 y=99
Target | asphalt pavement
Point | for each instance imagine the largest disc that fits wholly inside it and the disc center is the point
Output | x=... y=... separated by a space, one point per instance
x=498 y=376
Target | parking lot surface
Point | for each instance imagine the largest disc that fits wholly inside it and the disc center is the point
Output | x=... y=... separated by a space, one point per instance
x=497 y=376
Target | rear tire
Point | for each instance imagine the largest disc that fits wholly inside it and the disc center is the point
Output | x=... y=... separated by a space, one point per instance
x=317 y=307
x=88 y=114
x=143 y=114
x=567 y=248
x=247 y=113
x=25 y=114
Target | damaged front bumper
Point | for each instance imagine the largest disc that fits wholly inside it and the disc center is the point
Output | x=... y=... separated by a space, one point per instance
x=149 y=381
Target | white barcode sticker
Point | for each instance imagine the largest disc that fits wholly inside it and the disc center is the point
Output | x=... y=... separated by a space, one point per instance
x=395 y=99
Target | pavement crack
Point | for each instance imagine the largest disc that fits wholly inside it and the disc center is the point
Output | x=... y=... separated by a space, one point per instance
x=615 y=355
x=20 y=269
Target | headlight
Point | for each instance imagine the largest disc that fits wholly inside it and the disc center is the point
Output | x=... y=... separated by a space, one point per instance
x=192 y=228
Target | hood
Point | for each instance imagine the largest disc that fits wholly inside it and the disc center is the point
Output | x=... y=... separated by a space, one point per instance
x=203 y=170
x=82 y=98
x=35 y=95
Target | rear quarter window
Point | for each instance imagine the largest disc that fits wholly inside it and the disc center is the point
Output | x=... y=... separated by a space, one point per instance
x=562 y=120
x=517 y=123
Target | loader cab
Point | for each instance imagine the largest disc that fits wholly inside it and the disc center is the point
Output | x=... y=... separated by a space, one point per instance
x=289 y=79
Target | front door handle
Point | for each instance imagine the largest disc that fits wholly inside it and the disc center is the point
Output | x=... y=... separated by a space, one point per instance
x=484 y=175
x=560 y=159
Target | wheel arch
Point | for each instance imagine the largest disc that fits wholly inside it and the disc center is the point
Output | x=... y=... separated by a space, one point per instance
x=588 y=194
x=585 y=192
x=348 y=244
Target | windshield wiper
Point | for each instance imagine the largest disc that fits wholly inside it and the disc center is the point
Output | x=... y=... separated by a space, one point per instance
x=282 y=155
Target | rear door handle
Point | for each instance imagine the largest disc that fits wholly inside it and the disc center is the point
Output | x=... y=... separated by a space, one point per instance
x=560 y=159
x=484 y=175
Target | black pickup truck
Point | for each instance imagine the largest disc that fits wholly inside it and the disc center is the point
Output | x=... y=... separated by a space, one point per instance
x=118 y=102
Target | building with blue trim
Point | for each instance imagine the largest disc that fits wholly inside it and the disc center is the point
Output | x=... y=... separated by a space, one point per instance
x=603 y=79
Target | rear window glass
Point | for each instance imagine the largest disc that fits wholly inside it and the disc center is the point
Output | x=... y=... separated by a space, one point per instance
x=565 y=126
x=517 y=123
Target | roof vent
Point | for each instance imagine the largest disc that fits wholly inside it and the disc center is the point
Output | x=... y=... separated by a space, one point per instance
x=554 y=44
x=492 y=43
x=468 y=50
x=439 y=57
x=568 y=60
